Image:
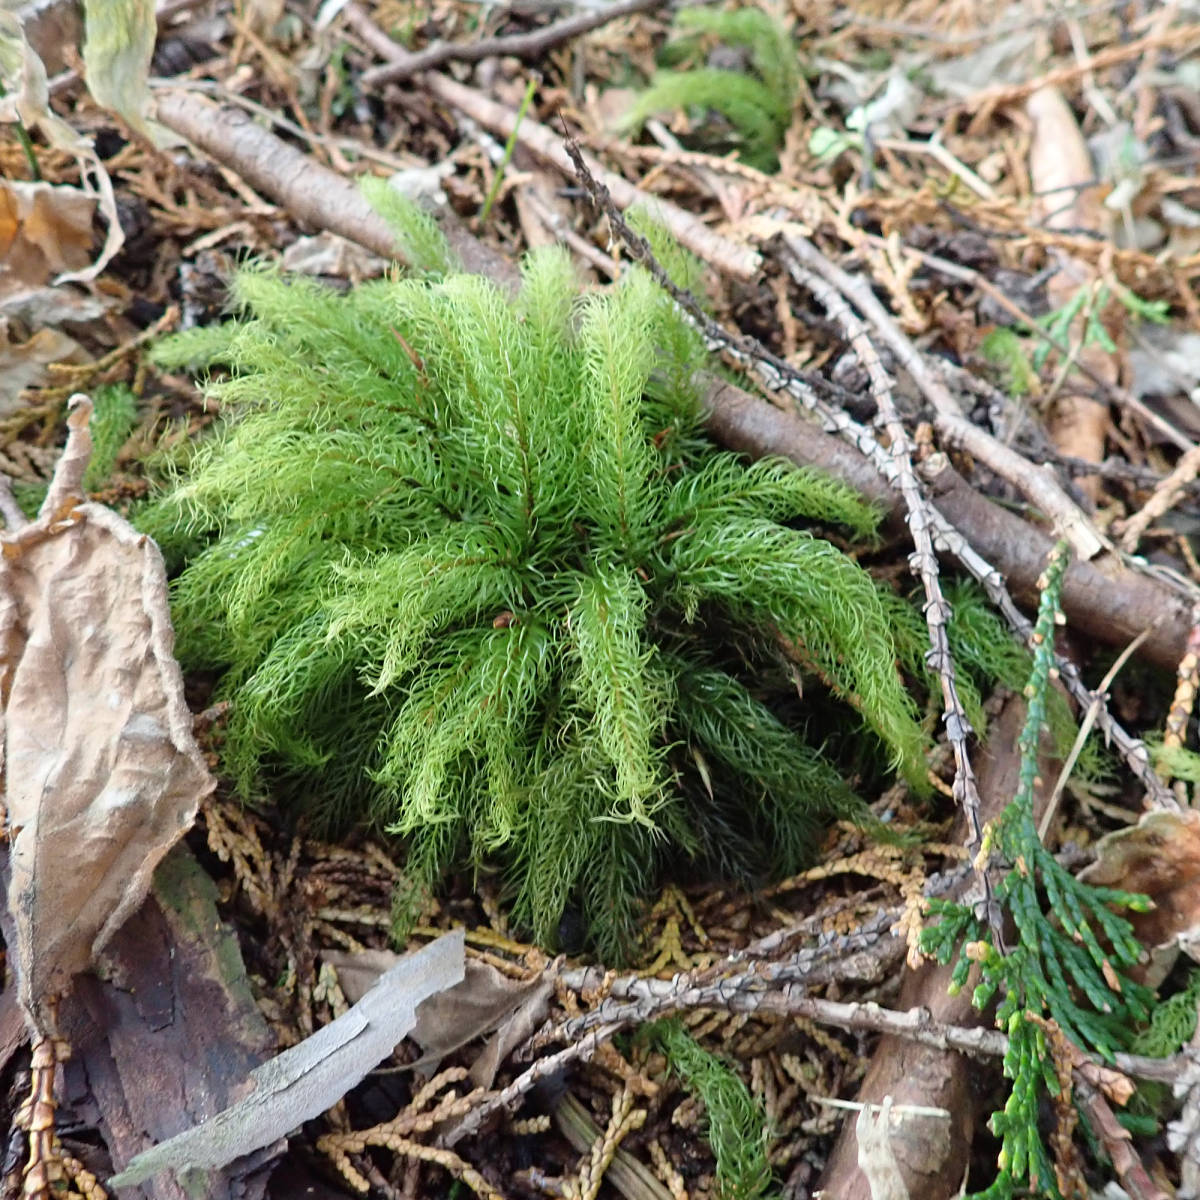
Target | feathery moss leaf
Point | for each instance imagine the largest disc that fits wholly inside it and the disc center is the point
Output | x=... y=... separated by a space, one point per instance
x=736 y=1122
x=458 y=553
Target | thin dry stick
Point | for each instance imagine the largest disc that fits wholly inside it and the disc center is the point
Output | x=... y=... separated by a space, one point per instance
x=1085 y=727
x=1165 y=496
x=550 y=1067
x=775 y=376
x=923 y=564
x=1044 y=492
x=516 y=45
x=1132 y=750
x=864 y=955
x=919 y=1025
x=1187 y=683
x=1121 y=397
x=656 y=997
x=1038 y=486
x=1130 y=1169
x=719 y=252
x=935 y=150
x=991 y=98
x=626 y=987
x=555 y=223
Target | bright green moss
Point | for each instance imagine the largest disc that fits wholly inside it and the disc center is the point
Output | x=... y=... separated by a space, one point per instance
x=472 y=573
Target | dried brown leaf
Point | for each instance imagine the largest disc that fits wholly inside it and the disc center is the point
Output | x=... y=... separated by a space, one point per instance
x=101 y=773
x=29 y=103
x=1160 y=857
x=44 y=230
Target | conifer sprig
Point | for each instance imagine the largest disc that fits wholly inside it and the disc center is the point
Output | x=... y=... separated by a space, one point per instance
x=1073 y=954
x=472 y=572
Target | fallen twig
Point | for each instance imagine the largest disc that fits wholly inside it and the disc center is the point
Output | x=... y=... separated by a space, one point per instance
x=923 y=564
x=983 y=103
x=1121 y=397
x=1038 y=486
x=1117 y=1141
x=1165 y=496
x=719 y=252
x=863 y=956
x=515 y=45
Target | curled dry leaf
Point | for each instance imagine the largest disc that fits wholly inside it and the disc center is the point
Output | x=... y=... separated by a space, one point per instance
x=44 y=230
x=305 y=1080
x=116 y=57
x=1159 y=856
x=101 y=773
x=26 y=99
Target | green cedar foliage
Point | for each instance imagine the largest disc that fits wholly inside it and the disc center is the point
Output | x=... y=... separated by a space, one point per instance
x=757 y=104
x=472 y=573
x=1073 y=954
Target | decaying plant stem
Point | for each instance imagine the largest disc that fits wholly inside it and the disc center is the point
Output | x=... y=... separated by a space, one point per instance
x=923 y=564
x=1037 y=485
x=516 y=45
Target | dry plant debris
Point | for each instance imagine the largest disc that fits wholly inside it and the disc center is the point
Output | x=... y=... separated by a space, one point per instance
x=309 y=1078
x=975 y=265
x=102 y=775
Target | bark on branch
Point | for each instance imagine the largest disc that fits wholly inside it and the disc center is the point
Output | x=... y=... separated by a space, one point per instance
x=1102 y=598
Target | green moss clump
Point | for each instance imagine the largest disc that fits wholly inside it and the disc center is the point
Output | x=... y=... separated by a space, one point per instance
x=473 y=573
x=756 y=102
x=736 y=1124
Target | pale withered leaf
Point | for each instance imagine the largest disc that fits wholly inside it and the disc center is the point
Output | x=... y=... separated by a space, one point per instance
x=101 y=773
x=117 y=53
x=486 y=1001
x=306 y=1079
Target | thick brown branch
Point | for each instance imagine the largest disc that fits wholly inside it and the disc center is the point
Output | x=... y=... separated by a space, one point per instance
x=1101 y=598
x=311 y=192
